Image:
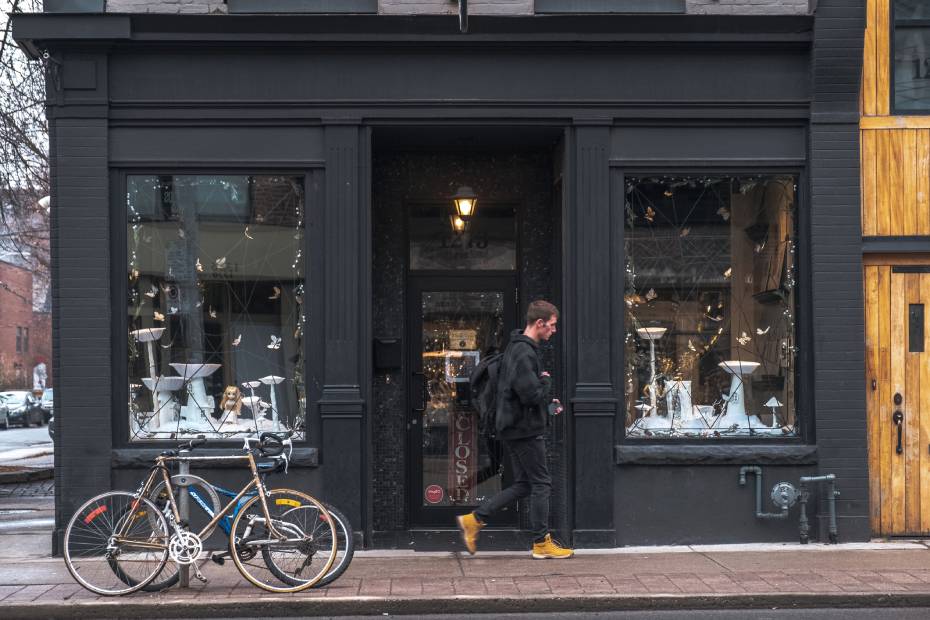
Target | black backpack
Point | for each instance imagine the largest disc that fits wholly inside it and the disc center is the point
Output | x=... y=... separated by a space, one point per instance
x=483 y=383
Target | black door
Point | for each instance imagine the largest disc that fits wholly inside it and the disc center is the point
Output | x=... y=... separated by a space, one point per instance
x=453 y=322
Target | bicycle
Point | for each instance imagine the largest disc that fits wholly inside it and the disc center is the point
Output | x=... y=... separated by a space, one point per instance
x=205 y=496
x=119 y=542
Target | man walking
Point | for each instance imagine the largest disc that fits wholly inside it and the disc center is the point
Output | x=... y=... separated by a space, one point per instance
x=523 y=403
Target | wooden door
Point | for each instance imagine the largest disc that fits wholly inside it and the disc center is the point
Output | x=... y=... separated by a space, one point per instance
x=897 y=309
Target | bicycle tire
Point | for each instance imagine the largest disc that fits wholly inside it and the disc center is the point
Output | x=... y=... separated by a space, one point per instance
x=87 y=543
x=155 y=495
x=250 y=535
x=345 y=550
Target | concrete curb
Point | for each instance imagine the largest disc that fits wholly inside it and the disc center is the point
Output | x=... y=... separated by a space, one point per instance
x=296 y=605
x=27 y=475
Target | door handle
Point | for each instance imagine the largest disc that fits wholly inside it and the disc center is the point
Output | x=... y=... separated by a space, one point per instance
x=897 y=417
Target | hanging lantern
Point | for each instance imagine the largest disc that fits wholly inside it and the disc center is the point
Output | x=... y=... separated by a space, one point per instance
x=466 y=202
x=459 y=225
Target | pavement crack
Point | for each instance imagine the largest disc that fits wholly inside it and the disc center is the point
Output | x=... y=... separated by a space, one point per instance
x=458 y=560
x=704 y=555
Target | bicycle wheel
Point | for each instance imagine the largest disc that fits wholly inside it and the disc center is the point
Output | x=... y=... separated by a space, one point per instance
x=116 y=543
x=200 y=491
x=291 y=539
x=345 y=547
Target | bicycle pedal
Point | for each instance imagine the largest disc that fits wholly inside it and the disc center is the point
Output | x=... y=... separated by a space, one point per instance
x=218 y=559
x=199 y=575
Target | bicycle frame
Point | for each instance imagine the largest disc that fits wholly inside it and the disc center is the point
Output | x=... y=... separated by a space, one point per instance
x=226 y=521
x=160 y=467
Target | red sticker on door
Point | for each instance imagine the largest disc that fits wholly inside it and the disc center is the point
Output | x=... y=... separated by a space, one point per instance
x=433 y=494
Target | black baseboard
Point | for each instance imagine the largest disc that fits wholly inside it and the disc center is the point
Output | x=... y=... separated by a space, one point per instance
x=594 y=539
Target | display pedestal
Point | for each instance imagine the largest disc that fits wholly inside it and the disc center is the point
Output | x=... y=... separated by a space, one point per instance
x=199 y=407
x=735 y=411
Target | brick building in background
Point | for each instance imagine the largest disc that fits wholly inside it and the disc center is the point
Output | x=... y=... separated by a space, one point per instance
x=25 y=331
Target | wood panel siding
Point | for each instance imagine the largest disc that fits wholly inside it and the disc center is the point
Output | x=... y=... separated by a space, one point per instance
x=895 y=150
x=895 y=179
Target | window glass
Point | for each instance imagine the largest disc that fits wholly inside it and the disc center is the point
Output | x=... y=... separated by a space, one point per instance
x=489 y=240
x=911 y=9
x=911 y=55
x=215 y=305
x=710 y=299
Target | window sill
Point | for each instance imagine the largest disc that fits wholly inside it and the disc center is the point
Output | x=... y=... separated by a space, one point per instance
x=719 y=454
x=142 y=458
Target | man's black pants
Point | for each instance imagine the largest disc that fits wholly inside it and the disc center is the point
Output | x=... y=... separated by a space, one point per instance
x=530 y=478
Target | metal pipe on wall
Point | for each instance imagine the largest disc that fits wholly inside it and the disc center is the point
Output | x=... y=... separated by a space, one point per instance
x=755 y=469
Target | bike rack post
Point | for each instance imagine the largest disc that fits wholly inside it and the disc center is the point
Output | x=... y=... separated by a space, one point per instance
x=184 y=468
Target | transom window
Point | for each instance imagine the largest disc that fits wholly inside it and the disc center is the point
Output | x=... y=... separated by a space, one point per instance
x=911 y=71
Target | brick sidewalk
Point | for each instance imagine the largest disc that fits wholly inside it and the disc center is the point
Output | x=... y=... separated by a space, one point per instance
x=376 y=582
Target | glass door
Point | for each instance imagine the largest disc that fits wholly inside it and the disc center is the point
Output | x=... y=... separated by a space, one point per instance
x=454 y=322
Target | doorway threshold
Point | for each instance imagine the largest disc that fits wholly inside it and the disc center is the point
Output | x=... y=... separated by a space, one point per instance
x=449 y=539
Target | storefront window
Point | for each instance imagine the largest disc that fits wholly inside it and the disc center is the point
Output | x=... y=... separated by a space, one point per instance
x=911 y=55
x=710 y=306
x=216 y=305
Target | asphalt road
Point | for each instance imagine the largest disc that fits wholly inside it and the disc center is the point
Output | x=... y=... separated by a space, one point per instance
x=16 y=437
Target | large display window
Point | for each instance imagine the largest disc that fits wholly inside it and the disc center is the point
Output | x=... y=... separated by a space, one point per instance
x=710 y=306
x=216 y=308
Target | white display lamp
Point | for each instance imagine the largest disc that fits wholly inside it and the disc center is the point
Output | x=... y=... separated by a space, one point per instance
x=273 y=380
x=735 y=413
x=773 y=404
x=652 y=334
x=149 y=335
x=193 y=375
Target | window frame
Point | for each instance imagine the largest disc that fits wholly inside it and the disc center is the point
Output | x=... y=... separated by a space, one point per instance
x=803 y=306
x=892 y=49
x=312 y=179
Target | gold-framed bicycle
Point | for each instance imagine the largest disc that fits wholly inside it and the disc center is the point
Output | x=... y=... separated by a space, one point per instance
x=118 y=542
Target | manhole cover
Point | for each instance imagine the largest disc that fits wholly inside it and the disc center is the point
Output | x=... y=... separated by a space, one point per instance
x=17 y=511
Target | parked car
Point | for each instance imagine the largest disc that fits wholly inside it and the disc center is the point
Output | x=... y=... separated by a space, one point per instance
x=47 y=404
x=23 y=408
x=51 y=428
x=4 y=415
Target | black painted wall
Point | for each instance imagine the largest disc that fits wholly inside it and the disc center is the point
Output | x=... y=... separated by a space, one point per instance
x=626 y=91
x=838 y=338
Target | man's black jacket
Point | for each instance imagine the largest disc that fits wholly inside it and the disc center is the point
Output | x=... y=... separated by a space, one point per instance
x=522 y=394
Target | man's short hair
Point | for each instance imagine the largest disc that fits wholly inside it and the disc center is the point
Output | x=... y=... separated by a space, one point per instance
x=540 y=309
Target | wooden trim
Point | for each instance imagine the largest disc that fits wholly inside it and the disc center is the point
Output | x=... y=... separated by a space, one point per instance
x=894 y=122
x=896 y=259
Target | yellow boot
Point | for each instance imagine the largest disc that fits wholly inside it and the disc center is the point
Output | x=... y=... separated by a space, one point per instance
x=549 y=550
x=470 y=526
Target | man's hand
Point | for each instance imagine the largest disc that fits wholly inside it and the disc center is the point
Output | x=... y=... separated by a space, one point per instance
x=558 y=406
x=545 y=373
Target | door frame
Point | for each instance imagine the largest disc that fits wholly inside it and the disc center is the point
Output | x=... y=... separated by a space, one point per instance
x=890 y=482
x=419 y=516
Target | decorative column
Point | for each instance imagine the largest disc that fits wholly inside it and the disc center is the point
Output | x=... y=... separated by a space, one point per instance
x=591 y=321
x=344 y=289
